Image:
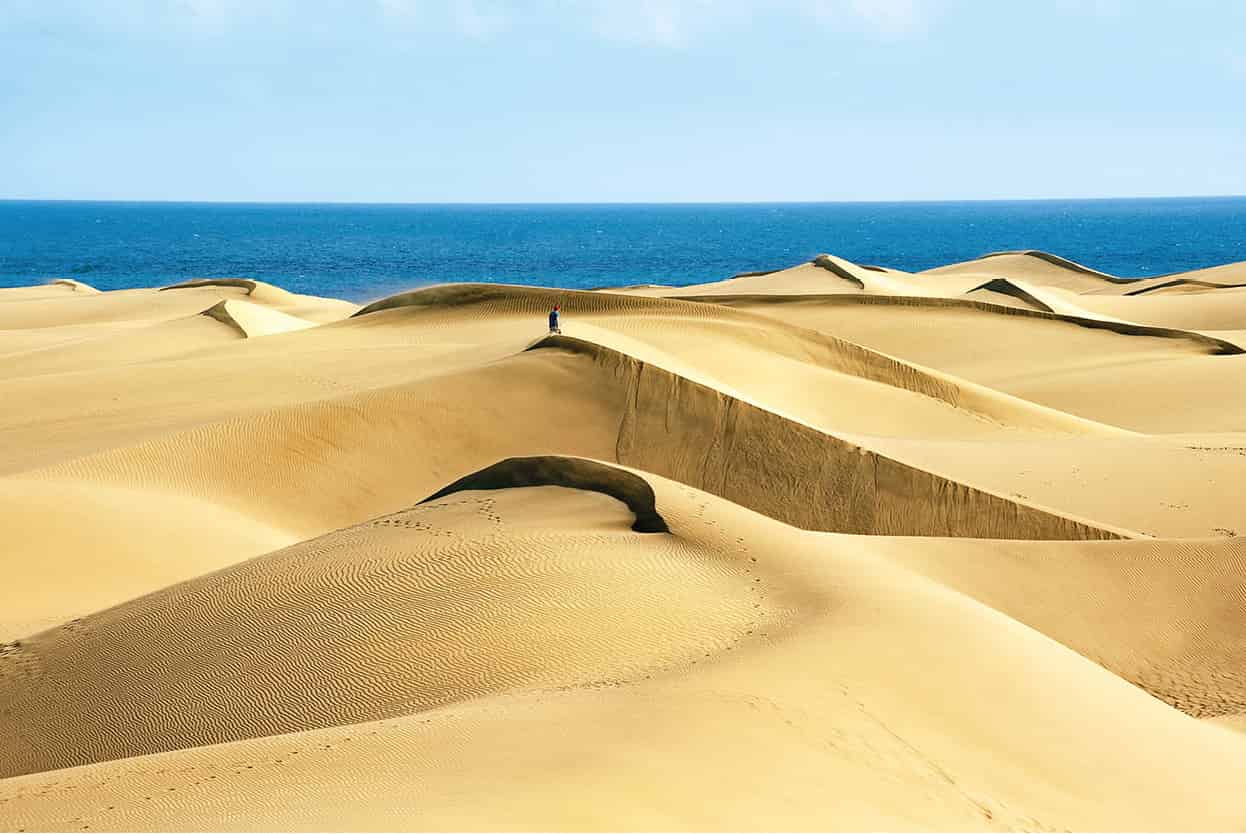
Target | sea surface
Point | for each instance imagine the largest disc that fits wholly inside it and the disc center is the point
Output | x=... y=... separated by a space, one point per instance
x=363 y=252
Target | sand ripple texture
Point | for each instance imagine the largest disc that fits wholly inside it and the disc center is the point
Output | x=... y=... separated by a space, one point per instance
x=447 y=601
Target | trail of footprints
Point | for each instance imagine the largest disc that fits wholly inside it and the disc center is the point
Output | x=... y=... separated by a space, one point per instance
x=756 y=588
x=216 y=776
x=411 y=519
x=18 y=663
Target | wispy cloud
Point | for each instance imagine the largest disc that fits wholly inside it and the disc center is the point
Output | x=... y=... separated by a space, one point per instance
x=891 y=17
x=403 y=10
x=479 y=21
x=663 y=23
x=674 y=23
x=888 y=18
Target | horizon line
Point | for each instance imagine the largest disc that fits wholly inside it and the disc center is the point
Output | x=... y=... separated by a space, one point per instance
x=504 y=203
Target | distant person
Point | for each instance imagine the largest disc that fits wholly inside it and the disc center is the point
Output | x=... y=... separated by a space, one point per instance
x=553 y=321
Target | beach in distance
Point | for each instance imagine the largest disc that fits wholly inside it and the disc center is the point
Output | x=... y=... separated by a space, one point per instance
x=763 y=536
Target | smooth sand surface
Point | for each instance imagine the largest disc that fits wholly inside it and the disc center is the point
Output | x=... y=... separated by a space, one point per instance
x=833 y=547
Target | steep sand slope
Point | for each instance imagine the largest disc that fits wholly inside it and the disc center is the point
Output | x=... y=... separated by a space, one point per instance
x=560 y=670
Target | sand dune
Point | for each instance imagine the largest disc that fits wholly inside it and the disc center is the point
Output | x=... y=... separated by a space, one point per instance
x=656 y=663
x=1042 y=268
x=427 y=619
x=829 y=547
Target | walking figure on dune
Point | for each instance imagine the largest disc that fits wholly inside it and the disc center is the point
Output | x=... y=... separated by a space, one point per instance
x=553 y=321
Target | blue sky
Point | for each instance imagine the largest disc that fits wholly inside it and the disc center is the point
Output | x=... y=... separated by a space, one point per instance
x=607 y=100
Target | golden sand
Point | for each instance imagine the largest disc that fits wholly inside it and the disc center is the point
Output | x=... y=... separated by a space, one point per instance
x=832 y=547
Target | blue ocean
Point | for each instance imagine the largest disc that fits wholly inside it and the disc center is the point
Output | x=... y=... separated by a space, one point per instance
x=363 y=252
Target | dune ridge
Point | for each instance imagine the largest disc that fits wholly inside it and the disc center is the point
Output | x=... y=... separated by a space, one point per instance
x=251 y=286
x=589 y=475
x=839 y=268
x=1056 y=260
x=75 y=285
x=1183 y=283
x=251 y=320
x=847 y=488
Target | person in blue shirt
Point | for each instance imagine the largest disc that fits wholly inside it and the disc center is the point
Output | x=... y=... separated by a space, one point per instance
x=553 y=321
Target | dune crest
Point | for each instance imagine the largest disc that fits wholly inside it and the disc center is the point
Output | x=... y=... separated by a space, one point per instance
x=75 y=285
x=590 y=475
x=252 y=287
x=1055 y=260
x=251 y=320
